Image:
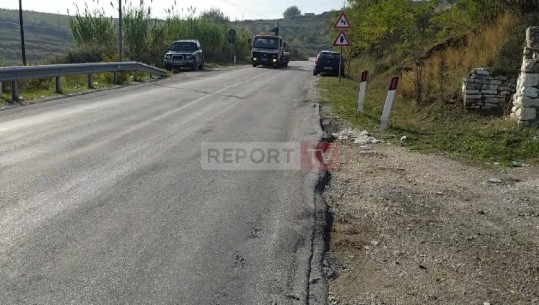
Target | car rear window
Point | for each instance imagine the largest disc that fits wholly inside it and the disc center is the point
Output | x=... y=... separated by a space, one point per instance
x=330 y=55
x=184 y=46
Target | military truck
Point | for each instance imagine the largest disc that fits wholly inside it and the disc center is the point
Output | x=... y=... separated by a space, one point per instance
x=268 y=49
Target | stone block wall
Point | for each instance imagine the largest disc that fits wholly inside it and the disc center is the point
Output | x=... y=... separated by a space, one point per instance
x=485 y=92
x=526 y=100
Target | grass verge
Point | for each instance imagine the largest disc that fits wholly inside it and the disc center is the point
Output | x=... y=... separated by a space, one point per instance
x=436 y=127
x=32 y=91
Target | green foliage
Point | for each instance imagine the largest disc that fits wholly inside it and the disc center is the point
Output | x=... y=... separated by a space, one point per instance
x=388 y=26
x=85 y=25
x=48 y=36
x=292 y=12
x=432 y=45
x=306 y=34
x=487 y=11
x=413 y=31
x=433 y=128
x=136 y=33
x=215 y=15
x=385 y=26
x=147 y=40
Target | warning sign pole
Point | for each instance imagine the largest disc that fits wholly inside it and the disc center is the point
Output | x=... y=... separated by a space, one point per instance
x=340 y=67
x=342 y=23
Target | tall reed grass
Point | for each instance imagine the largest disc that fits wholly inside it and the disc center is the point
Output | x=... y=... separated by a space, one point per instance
x=146 y=39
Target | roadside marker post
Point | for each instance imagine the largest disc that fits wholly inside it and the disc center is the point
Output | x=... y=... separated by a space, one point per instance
x=362 y=90
x=384 y=122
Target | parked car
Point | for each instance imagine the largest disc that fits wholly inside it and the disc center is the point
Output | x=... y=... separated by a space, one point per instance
x=327 y=62
x=185 y=54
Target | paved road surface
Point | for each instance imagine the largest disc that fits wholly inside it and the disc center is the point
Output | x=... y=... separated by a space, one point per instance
x=103 y=199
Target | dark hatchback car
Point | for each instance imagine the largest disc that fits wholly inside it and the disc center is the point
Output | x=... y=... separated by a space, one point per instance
x=185 y=54
x=327 y=62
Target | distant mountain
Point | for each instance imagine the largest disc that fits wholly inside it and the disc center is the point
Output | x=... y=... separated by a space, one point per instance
x=47 y=35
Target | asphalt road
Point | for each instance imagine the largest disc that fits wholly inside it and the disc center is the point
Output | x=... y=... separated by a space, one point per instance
x=103 y=199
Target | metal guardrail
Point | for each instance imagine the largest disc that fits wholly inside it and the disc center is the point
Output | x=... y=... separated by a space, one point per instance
x=14 y=74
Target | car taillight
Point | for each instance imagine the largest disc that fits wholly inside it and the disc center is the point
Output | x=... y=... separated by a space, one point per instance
x=318 y=61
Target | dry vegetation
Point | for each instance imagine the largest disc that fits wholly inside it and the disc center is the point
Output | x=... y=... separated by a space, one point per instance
x=435 y=120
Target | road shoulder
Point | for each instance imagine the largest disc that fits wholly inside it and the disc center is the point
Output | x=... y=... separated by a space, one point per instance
x=411 y=228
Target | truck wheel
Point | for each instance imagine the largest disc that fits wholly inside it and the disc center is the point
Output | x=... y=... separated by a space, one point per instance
x=255 y=65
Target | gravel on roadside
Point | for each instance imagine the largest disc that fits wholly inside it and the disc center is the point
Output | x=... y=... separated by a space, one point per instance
x=412 y=228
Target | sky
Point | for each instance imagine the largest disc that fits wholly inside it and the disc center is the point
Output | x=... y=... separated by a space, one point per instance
x=234 y=9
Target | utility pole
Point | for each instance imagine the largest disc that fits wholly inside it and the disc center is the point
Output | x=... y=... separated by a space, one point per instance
x=21 y=25
x=120 y=31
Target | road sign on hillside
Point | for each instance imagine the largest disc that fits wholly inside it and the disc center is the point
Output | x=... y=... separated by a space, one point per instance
x=341 y=40
x=342 y=23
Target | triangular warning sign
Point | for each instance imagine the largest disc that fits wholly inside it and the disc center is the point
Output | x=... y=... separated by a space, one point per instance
x=342 y=22
x=342 y=40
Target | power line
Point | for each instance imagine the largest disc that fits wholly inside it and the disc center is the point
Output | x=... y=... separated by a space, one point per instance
x=233 y=3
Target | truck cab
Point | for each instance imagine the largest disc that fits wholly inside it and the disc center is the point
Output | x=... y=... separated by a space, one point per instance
x=268 y=49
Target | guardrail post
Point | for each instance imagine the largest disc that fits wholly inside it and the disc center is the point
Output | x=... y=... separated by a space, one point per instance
x=115 y=78
x=90 y=81
x=14 y=91
x=58 y=83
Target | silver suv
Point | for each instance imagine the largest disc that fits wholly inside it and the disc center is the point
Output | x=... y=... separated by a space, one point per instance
x=185 y=54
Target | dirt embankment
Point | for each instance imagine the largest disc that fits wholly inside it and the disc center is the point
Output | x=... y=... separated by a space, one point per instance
x=410 y=228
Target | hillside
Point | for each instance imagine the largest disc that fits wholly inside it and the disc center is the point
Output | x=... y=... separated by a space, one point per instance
x=432 y=57
x=48 y=34
x=309 y=34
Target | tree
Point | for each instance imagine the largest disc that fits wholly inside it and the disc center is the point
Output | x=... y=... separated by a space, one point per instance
x=292 y=12
x=398 y=27
x=215 y=15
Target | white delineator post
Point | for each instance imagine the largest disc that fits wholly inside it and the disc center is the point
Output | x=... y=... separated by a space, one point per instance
x=362 y=89
x=384 y=122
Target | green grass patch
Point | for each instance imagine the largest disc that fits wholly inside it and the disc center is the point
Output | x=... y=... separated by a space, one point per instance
x=435 y=127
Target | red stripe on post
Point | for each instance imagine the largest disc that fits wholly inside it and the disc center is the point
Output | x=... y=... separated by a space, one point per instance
x=394 y=83
x=364 y=76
